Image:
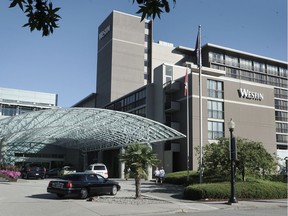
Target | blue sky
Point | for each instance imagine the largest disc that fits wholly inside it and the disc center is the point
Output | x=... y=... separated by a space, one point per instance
x=65 y=62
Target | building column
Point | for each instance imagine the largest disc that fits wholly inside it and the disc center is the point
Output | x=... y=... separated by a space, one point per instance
x=122 y=165
x=149 y=177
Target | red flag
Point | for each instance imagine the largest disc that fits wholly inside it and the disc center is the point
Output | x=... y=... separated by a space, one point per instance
x=186 y=83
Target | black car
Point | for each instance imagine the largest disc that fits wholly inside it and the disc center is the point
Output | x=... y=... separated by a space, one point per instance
x=33 y=170
x=53 y=172
x=83 y=185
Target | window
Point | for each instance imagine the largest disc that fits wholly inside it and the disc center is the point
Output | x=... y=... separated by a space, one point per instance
x=146 y=25
x=281 y=116
x=215 y=109
x=246 y=64
x=259 y=67
x=216 y=57
x=280 y=104
x=215 y=89
x=232 y=72
x=146 y=38
x=215 y=130
x=282 y=127
x=8 y=110
x=282 y=72
x=273 y=81
x=273 y=70
x=281 y=93
x=25 y=109
x=247 y=75
x=260 y=78
x=168 y=73
x=281 y=138
x=232 y=61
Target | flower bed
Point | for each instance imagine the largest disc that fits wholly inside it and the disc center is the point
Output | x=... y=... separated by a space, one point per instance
x=10 y=175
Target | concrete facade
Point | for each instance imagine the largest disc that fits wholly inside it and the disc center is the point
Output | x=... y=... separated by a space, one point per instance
x=253 y=89
x=123 y=45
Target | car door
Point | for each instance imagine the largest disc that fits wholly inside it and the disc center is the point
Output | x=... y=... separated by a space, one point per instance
x=95 y=186
x=105 y=188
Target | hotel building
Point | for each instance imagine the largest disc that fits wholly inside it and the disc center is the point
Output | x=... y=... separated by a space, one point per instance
x=140 y=76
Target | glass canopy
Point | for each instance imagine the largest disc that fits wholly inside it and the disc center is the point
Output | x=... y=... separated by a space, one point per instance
x=86 y=129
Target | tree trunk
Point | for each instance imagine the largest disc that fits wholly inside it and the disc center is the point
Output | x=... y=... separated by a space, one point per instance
x=138 y=187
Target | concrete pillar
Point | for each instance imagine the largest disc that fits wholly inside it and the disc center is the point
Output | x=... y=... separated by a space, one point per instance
x=122 y=165
x=149 y=177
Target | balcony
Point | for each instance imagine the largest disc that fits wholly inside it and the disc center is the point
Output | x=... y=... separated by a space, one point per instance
x=171 y=87
x=172 y=106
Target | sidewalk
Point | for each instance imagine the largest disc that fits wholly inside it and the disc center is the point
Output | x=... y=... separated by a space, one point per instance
x=172 y=195
x=29 y=198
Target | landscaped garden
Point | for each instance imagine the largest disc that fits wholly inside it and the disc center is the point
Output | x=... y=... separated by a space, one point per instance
x=219 y=189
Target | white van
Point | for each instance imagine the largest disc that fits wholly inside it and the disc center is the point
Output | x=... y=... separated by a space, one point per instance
x=98 y=168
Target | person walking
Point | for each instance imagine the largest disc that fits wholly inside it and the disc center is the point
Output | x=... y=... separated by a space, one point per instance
x=161 y=174
x=157 y=175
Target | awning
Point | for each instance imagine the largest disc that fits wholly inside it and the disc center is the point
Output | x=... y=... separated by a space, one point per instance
x=86 y=129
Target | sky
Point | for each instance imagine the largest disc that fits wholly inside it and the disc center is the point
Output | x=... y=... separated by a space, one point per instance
x=65 y=63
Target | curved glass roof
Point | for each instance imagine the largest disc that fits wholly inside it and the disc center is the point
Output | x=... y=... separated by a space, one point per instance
x=86 y=129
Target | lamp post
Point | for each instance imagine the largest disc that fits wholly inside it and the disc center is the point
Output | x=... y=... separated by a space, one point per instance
x=233 y=158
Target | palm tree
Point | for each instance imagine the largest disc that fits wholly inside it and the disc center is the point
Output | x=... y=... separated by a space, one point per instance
x=138 y=157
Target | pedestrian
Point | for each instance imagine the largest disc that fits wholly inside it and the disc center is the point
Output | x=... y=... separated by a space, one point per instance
x=157 y=175
x=161 y=175
x=127 y=172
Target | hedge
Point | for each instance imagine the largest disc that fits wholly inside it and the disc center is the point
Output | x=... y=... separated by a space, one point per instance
x=243 y=190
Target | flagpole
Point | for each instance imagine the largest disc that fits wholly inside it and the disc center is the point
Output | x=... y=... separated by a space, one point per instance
x=188 y=130
x=200 y=106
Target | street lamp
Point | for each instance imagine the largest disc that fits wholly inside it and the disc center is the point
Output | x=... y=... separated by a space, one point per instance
x=233 y=158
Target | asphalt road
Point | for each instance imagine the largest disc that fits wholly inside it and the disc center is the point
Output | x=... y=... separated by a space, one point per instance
x=29 y=198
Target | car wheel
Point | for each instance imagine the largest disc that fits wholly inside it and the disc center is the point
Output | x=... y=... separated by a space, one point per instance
x=83 y=193
x=114 y=190
x=60 y=195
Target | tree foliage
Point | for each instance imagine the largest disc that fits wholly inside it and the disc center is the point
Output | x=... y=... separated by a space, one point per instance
x=42 y=16
x=253 y=159
x=151 y=8
x=138 y=157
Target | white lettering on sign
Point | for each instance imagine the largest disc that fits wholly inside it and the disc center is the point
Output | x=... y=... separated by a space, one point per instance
x=245 y=93
x=104 y=32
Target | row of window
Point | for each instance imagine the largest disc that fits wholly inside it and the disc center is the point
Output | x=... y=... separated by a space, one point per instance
x=254 y=77
x=128 y=103
x=215 y=109
x=281 y=93
x=282 y=127
x=281 y=104
x=280 y=138
x=38 y=155
x=281 y=116
x=12 y=110
x=247 y=64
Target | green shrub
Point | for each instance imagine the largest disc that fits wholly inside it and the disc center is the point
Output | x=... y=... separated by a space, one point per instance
x=244 y=190
x=180 y=178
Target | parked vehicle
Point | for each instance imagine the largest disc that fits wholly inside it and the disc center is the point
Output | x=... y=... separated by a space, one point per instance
x=55 y=172
x=98 y=168
x=66 y=170
x=33 y=170
x=82 y=185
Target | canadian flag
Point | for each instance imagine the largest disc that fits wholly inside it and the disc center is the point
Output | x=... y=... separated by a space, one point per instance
x=186 y=83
